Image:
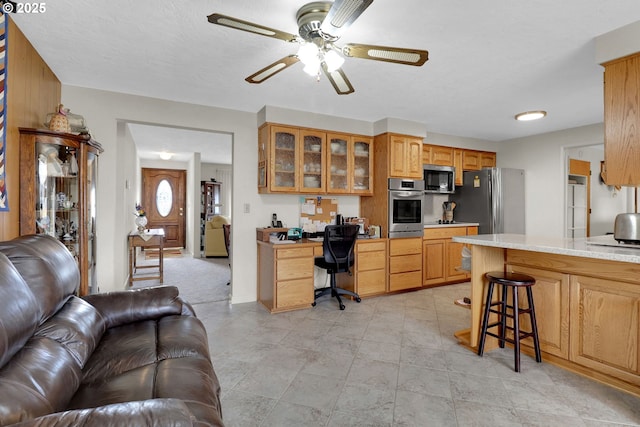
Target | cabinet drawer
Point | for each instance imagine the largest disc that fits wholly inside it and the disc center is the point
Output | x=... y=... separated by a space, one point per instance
x=401 y=281
x=371 y=246
x=444 y=232
x=405 y=246
x=304 y=252
x=295 y=268
x=371 y=282
x=371 y=261
x=406 y=263
x=294 y=292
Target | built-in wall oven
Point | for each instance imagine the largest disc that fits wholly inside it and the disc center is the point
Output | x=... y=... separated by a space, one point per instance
x=406 y=208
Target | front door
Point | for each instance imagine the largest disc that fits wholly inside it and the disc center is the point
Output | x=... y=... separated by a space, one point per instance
x=163 y=196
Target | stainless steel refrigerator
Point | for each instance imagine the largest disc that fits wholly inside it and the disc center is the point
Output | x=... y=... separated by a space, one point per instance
x=492 y=197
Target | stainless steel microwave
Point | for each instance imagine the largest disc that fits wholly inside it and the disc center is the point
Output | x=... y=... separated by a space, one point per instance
x=439 y=179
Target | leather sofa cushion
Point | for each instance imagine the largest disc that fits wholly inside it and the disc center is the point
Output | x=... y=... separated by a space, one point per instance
x=144 y=343
x=19 y=313
x=78 y=327
x=40 y=379
x=47 y=267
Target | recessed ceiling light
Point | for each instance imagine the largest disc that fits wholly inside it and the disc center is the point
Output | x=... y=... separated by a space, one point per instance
x=165 y=155
x=531 y=115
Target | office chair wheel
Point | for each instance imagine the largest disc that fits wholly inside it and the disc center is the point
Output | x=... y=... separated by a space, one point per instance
x=358 y=299
x=341 y=306
x=313 y=304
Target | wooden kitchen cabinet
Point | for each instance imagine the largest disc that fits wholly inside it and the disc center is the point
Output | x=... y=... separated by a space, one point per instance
x=369 y=270
x=437 y=155
x=311 y=161
x=457 y=163
x=349 y=164
x=404 y=155
x=442 y=258
x=285 y=276
x=405 y=263
x=487 y=159
x=622 y=121
x=605 y=326
x=471 y=160
x=551 y=300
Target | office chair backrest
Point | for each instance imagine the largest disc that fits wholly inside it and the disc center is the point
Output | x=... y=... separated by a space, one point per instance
x=338 y=244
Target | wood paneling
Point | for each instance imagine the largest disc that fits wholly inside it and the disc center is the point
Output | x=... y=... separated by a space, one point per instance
x=33 y=90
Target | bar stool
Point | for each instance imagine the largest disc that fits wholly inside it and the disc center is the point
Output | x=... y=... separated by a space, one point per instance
x=513 y=281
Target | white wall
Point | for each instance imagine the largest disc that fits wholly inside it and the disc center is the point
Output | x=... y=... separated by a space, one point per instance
x=542 y=158
x=102 y=111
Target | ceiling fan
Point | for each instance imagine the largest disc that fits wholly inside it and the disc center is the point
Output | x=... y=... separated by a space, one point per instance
x=320 y=25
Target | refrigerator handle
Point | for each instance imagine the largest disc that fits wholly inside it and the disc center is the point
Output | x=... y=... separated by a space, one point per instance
x=496 y=202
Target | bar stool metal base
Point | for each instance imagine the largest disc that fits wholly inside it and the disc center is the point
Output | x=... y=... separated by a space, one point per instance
x=513 y=281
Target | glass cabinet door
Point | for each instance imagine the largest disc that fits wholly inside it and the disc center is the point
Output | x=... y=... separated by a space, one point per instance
x=58 y=194
x=313 y=162
x=90 y=221
x=338 y=164
x=285 y=159
x=362 y=165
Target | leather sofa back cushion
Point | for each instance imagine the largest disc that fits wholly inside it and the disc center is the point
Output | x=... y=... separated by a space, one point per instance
x=40 y=379
x=78 y=327
x=19 y=312
x=51 y=273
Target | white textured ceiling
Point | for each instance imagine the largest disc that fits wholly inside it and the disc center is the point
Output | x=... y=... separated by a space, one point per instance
x=488 y=59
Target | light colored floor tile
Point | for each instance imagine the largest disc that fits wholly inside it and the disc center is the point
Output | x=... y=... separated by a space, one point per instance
x=387 y=361
x=414 y=410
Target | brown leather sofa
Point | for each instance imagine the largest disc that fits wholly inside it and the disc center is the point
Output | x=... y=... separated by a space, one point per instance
x=130 y=358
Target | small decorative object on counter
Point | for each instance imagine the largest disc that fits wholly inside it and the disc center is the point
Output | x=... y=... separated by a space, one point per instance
x=141 y=218
x=59 y=121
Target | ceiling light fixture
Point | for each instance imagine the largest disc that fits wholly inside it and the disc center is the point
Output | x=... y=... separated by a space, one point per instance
x=530 y=115
x=314 y=56
x=166 y=155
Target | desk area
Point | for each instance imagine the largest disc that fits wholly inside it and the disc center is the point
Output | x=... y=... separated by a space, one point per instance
x=152 y=238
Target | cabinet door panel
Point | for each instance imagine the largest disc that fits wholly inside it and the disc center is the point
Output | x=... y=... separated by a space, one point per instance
x=454 y=261
x=470 y=160
x=433 y=261
x=441 y=156
x=371 y=282
x=414 y=160
x=284 y=159
x=551 y=300
x=488 y=160
x=604 y=326
x=312 y=167
x=397 y=157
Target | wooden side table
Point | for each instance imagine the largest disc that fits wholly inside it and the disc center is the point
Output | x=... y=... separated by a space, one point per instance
x=153 y=238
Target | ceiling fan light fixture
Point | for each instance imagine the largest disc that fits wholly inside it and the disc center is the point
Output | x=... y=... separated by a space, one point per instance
x=333 y=60
x=530 y=115
x=308 y=53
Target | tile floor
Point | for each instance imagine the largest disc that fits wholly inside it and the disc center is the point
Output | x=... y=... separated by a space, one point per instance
x=389 y=361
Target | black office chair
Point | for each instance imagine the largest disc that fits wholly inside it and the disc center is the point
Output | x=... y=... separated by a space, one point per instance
x=338 y=257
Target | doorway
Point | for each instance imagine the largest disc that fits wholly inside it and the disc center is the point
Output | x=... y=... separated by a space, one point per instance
x=164 y=198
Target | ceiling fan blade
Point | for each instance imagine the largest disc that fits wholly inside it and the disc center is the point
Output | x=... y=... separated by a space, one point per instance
x=338 y=80
x=341 y=15
x=238 y=24
x=272 y=69
x=389 y=54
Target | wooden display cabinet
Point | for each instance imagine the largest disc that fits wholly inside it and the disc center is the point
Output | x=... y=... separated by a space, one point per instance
x=350 y=164
x=58 y=174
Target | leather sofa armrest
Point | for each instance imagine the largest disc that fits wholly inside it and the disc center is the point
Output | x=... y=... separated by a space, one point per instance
x=119 y=308
x=153 y=412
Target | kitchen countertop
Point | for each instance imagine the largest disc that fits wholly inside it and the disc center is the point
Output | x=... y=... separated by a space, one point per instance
x=598 y=247
x=455 y=224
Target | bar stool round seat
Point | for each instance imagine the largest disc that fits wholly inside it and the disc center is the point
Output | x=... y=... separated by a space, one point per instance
x=503 y=310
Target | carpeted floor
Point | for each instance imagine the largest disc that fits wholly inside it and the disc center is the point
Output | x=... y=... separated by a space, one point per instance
x=200 y=280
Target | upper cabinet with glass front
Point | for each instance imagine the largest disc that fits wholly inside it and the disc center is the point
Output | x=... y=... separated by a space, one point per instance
x=58 y=173
x=312 y=161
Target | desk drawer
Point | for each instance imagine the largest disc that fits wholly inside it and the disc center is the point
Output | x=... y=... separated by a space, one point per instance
x=371 y=282
x=408 y=280
x=294 y=293
x=304 y=252
x=295 y=268
x=405 y=246
x=444 y=232
x=371 y=246
x=371 y=261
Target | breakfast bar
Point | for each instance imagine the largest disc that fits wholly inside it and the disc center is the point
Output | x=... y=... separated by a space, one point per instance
x=587 y=298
